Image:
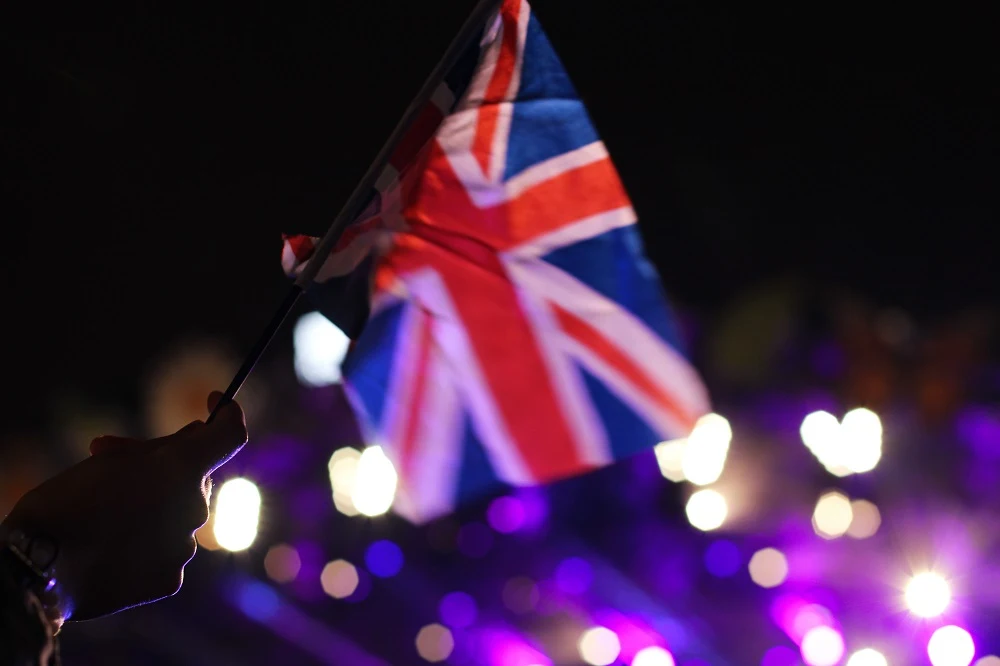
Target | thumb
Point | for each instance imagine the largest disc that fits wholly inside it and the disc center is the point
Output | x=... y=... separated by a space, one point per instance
x=211 y=445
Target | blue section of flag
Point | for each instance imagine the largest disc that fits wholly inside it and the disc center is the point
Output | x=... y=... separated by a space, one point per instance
x=476 y=476
x=370 y=361
x=613 y=265
x=627 y=433
x=548 y=120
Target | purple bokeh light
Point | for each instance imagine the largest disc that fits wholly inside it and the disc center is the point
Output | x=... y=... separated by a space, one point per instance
x=573 y=576
x=257 y=600
x=503 y=647
x=384 y=559
x=457 y=610
x=780 y=656
x=475 y=540
x=506 y=514
x=723 y=559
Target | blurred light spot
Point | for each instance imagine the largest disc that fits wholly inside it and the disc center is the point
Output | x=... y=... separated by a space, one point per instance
x=865 y=519
x=927 y=594
x=435 y=643
x=861 y=434
x=670 y=458
x=384 y=559
x=339 y=579
x=258 y=601
x=990 y=660
x=951 y=646
x=573 y=575
x=653 y=656
x=706 y=451
x=506 y=514
x=599 y=646
x=375 y=484
x=520 y=595
x=722 y=558
x=807 y=618
x=458 y=610
x=768 y=567
x=343 y=468
x=850 y=446
x=707 y=510
x=237 y=511
x=832 y=515
x=867 y=657
x=822 y=646
x=206 y=534
x=320 y=348
x=282 y=563
x=780 y=655
x=475 y=540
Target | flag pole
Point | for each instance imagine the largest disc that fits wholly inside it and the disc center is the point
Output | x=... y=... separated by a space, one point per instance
x=352 y=207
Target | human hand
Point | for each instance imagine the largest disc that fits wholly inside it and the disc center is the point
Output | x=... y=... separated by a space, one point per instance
x=124 y=519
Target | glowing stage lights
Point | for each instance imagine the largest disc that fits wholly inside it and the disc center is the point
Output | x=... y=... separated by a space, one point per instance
x=320 y=348
x=237 y=512
x=707 y=510
x=768 y=567
x=599 y=646
x=927 y=594
x=867 y=657
x=951 y=646
x=822 y=646
x=701 y=457
x=832 y=516
x=850 y=446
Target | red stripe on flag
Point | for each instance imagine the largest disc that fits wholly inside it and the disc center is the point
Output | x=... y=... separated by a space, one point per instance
x=595 y=341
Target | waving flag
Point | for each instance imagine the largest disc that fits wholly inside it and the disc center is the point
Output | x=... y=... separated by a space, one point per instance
x=517 y=334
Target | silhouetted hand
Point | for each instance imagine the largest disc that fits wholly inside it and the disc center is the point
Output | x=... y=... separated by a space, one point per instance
x=124 y=519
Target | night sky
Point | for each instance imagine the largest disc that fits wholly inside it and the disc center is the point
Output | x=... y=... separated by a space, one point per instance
x=152 y=154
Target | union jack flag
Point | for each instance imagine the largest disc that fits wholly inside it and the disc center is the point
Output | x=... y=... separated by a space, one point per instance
x=517 y=334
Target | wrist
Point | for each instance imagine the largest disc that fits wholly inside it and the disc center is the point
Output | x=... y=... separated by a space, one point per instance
x=31 y=556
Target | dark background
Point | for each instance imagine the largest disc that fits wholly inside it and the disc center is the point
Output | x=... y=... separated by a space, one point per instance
x=153 y=152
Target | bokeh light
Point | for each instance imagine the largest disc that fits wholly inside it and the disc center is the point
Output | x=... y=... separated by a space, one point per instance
x=435 y=643
x=282 y=563
x=237 y=512
x=384 y=559
x=861 y=440
x=722 y=558
x=927 y=594
x=520 y=595
x=780 y=655
x=339 y=579
x=506 y=514
x=768 y=567
x=867 y=657
x=989 y=660
x=257 y=600
x=850 y=446
x=599 y=646
x=458 y=610
x=865 y=519
x=343 y=469
x=670 y=458
x=707 y=510
x=832 y=515
x=653 y=656
x=822 y=646
x=573 y=575
x=951 y=646
x=375 y=484
x=706 y=450
x=320 y=348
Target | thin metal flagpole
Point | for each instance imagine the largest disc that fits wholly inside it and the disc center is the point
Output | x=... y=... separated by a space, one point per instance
x=352 y=207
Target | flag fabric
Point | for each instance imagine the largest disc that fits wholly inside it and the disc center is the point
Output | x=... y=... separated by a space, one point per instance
x=517 y=334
